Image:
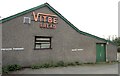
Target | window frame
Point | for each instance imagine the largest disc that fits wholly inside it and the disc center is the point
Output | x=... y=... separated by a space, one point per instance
x=24 y=20
x=42 y=41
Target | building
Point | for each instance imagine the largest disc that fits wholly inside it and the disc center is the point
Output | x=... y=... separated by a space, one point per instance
x=43 y=35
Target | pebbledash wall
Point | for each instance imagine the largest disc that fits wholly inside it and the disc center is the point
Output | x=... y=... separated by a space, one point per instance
x=43 y=43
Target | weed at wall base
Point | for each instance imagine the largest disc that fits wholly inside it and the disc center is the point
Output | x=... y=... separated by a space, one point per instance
x=15 y=67
x=9 y=68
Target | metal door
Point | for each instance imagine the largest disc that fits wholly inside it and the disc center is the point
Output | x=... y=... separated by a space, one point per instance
x=100 y=52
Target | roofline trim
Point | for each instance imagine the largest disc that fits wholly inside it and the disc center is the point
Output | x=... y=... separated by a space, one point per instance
x=56 y=12
x=21 y=13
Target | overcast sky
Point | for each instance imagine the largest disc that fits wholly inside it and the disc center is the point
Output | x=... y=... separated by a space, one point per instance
x=97 y=17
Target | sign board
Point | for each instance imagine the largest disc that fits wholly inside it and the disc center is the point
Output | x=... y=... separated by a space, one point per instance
x=48 y=21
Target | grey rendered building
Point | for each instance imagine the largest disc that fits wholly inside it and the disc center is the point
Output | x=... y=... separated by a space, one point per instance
x=43 y=35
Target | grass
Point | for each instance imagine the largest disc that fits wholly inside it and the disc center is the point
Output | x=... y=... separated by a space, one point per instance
x=9 y=68
x=15 y=67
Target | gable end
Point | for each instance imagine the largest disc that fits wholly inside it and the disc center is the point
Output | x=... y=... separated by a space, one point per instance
x=57 y=13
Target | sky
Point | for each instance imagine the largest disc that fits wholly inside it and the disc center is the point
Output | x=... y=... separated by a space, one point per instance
x=97 y=17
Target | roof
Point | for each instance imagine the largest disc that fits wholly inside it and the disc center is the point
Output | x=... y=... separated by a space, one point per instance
x=57 y=13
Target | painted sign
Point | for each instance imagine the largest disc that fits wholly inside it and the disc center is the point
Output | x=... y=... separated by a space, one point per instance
x=48 y=21
x=77 y=49
x=12 y=49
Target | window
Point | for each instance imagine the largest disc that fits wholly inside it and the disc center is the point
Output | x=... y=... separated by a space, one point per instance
x=27 y=20
x=42 y=42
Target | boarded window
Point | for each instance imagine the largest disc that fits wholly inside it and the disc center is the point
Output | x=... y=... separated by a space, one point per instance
x=42 y=42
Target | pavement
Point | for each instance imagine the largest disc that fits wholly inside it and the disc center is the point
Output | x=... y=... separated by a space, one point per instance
x=82 y=69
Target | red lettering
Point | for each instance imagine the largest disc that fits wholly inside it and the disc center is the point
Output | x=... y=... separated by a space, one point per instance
x=54 y=26
x=35 y=16
x=50 y=19
x=40 y=25
x=50 y=25
x=54 y=20
x=40 y=18
x=44 y=18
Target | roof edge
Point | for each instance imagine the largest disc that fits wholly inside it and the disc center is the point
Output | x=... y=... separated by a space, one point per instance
x=75 y=28
x=57 y=13
x=21 y=13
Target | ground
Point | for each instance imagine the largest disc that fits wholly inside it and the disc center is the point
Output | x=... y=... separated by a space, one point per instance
x=82 y=69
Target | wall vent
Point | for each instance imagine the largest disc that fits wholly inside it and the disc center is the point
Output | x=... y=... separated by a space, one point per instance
x=27 y=20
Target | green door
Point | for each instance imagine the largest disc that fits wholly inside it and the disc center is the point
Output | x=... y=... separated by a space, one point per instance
x=100 y=52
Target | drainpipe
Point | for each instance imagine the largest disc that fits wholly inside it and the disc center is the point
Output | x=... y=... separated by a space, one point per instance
x=106 y=51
